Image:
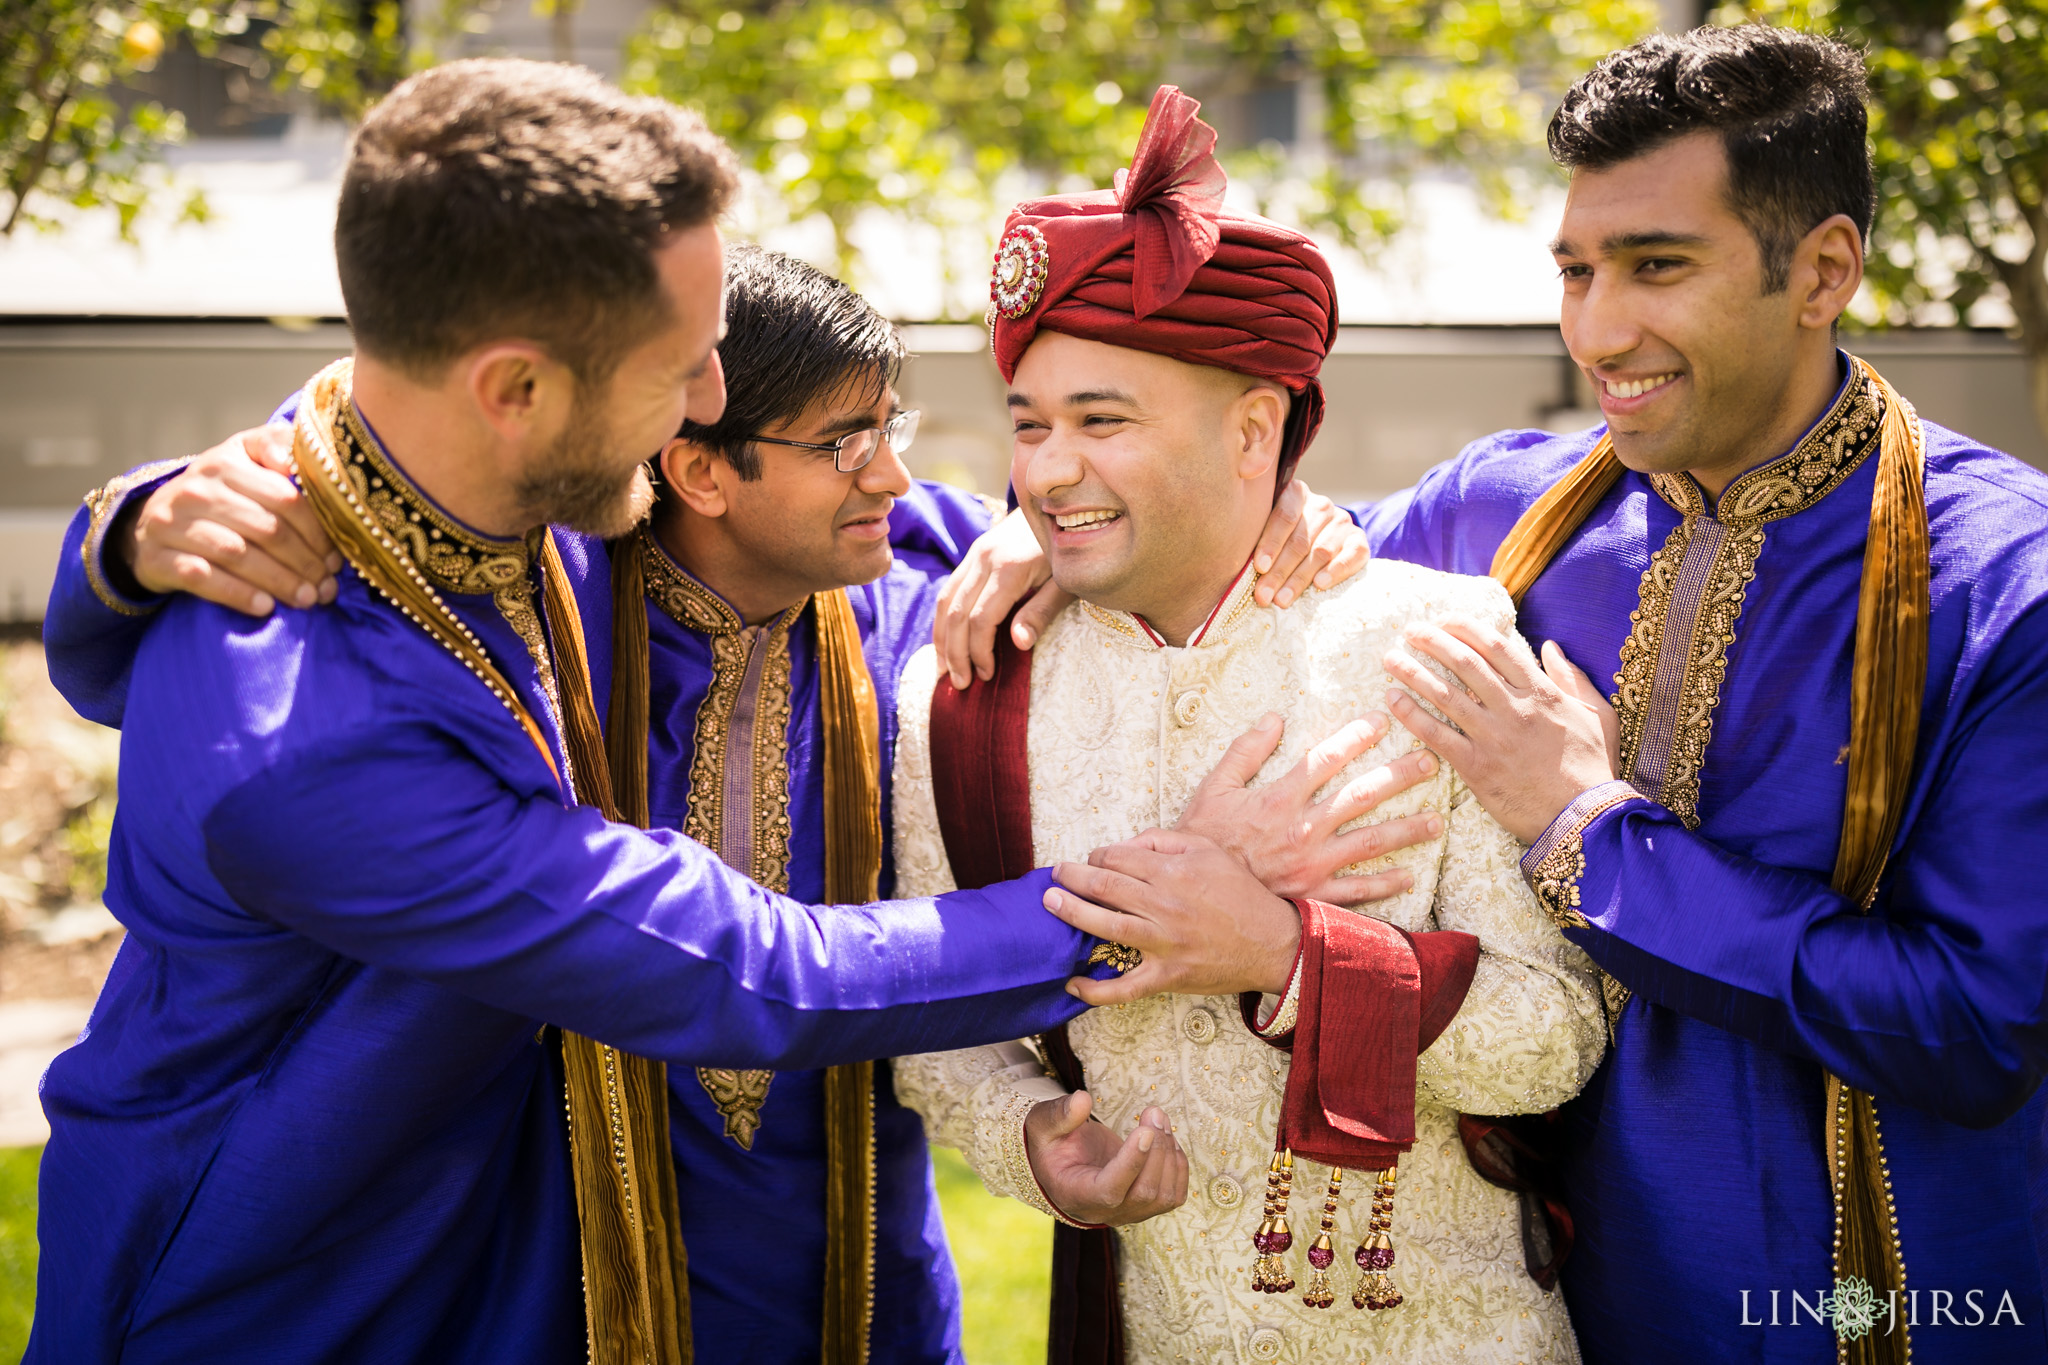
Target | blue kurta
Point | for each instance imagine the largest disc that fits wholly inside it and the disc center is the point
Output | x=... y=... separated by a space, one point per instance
x=754 y=1219
x=311 y=1119
x=1696 y=1172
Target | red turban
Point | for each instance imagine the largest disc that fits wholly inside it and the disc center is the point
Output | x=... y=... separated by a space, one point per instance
x=1158 y=264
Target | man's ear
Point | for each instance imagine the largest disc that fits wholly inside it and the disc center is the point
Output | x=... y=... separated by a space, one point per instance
x=1259 y=424
x=1827 y=268
x=692 y=472
x=519 y=390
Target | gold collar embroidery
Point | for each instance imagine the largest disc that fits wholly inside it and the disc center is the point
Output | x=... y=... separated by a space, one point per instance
x=452 y=557
x=1235 y=605
x=1675 y=659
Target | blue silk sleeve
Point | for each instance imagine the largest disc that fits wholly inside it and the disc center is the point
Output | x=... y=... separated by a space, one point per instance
x=1935 y=998
x=91 y=627
x=932 y=526
x=641 y=939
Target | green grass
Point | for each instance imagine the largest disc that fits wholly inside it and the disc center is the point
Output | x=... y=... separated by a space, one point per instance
x=1004 y=1251
x=17 y=1247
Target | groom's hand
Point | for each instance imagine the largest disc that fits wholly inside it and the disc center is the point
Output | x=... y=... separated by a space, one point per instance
x=1287 y=838
x=1091 y=1176
x=1201 y=921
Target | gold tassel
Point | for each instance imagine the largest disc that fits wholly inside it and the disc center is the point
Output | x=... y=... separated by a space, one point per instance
x=1322 y=1253
x=1375 y=1255
x=1271 y=1241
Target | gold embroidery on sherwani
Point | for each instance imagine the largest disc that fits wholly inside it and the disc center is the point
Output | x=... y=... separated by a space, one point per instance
x=1111 y=752
x=1675 y=658
x=745 y=821
x=332 y=463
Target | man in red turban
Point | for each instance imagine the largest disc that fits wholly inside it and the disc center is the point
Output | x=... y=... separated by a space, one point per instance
x=1162 y=354
x=1159 y=264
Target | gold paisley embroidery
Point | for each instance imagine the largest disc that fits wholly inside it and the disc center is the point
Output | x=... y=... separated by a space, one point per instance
x=1555 y=863
x=764 y=853
x=739 y=1096
x=1675 y=659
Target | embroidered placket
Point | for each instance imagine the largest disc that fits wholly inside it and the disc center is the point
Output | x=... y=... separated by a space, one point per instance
x=736 y=828
x=1652 y=765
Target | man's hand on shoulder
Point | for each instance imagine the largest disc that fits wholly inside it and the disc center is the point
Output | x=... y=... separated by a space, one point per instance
x=234 y=529
x=1002 y=568
x=1092 y=1176
x=1527 y=737
x=1288 y=839
x=1309 y=541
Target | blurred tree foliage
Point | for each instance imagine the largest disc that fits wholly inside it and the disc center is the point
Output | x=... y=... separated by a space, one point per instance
x=70 y=130
x=925 y=105
x=1959 y=127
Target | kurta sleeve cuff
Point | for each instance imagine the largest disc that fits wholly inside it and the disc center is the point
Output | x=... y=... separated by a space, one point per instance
x=1271 y=1019
x=1372 y=999
x=1022 y=1180
x=1555 y=863
x=116 y=589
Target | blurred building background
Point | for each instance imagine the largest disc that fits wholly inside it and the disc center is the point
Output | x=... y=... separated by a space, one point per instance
x=115 y=352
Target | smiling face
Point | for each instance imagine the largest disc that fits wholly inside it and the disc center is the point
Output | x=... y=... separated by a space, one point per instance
x=591 y=476
x=1696 y=367
x=1146 y=479
x=802 y=526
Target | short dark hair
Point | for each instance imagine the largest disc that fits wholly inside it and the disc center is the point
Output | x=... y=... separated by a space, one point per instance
x=793 y=335
x=1789 y=106
x=498 y=197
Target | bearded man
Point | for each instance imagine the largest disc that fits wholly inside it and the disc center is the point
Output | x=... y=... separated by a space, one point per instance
x=316 y=1115
x=1162 y=355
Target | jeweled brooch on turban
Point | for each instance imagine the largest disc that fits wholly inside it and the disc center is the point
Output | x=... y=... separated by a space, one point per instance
x=1022 y=263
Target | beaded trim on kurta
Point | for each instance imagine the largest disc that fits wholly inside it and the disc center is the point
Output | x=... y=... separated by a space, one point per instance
x=103 y=504
x=718 y=792
x=449 y=555
x=1675 y=658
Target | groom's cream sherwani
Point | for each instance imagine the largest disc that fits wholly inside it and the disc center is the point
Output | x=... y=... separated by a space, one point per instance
x=1122 y=729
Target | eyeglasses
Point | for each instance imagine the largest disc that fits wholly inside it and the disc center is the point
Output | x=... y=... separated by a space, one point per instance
x=856 y=449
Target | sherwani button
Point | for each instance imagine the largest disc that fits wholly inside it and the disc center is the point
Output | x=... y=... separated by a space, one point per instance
x=1200 y=1025
x=1225 y=1192
x=1186 y=706
x=1265 y=1343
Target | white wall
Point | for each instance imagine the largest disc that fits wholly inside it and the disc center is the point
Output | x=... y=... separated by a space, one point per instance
x=80 y=402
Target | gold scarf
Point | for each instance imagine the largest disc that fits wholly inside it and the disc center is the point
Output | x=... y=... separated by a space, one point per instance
x=1890 y=674
x=853 y=861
